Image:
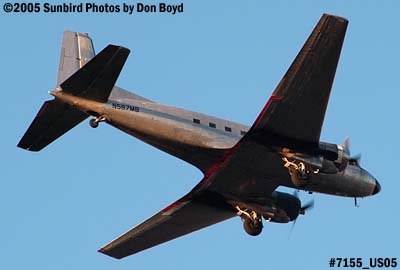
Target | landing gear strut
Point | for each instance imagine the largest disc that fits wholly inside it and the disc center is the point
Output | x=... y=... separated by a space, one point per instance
x=252 y=222
x=298 y=172
x=94 y=122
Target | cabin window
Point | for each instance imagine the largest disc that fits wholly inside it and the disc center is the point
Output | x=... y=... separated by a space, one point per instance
x=228 y=129
x=212 y=125
x=196 y=121
x=243 y=132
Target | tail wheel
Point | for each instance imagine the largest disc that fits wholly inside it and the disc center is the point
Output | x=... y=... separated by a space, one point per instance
x=252 y=227
x=93 y=123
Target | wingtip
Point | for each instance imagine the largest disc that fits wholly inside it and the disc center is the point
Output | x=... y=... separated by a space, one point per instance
x=339 y=18
x=28 y=147
x=24 y=146
x=101 y=250
x=118 y=47
x=104 y=251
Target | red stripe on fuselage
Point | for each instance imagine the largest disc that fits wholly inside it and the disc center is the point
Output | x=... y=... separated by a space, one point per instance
x=202 y=184
x=219 y=165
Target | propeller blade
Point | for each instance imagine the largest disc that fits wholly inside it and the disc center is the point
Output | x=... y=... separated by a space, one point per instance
x=302 y=210
x=346 y=145
x=356 y=158
x=307 y=206
x=292 y=228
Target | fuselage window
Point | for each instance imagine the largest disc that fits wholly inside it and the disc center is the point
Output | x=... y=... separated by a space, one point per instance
x=243 y=132
x=196 y=121
x=228 y=129
x=212 y=125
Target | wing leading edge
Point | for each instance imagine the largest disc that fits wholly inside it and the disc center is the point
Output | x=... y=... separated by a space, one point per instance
x=297 y=107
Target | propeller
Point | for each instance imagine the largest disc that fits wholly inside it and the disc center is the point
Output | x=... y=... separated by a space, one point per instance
x=352 y=159
x=308 y=206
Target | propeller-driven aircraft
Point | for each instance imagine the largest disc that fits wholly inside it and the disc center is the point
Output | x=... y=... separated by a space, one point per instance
x=242 y=165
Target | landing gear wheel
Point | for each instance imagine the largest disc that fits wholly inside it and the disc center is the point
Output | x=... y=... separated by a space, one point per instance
x=93 y=123
x=299 y=179
x=299 y=173
x=252 y=227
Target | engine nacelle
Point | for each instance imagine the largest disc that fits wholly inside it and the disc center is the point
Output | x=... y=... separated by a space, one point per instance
x=335 y=153
x=342 y=158
x=331 y=159
x=287 y=207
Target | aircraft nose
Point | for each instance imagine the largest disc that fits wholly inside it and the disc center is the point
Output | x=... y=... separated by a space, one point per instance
x=377 y=187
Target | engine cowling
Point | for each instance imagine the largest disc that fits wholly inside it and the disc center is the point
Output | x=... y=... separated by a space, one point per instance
x=332 y=159
x=336 y=153
x=287 y=207
x=342 y=158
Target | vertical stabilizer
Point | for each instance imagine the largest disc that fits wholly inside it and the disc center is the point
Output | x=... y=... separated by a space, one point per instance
x=76 y=50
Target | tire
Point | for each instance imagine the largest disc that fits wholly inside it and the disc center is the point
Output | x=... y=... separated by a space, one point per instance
x=297 y=180
x=252 y=228
x=93 y=123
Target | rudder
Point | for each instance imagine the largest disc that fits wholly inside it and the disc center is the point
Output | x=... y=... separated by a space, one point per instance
x=76 y=50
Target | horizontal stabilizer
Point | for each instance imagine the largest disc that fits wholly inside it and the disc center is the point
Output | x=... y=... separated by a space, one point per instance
x=96 y=79
x=53 y=120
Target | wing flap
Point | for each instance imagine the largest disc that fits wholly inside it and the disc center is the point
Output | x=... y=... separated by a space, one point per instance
x=297 y=107
x=180 y=218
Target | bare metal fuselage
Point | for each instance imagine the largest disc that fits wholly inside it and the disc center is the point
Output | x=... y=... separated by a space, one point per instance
x=242 y=166
x=202 y=140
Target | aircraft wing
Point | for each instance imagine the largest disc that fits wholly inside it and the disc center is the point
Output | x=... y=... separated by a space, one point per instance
x=297 y=107
x=295 y=111
x=184 y=216
x=208 y=203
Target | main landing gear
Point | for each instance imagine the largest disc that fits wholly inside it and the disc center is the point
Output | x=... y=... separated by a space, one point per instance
x=298 y=172
x=94 y=122
x=252 y=222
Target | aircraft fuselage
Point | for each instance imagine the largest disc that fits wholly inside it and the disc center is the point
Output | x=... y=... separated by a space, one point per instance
x=201 y=140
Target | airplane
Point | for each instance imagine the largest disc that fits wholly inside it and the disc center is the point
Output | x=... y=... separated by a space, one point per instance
x=242 y=165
